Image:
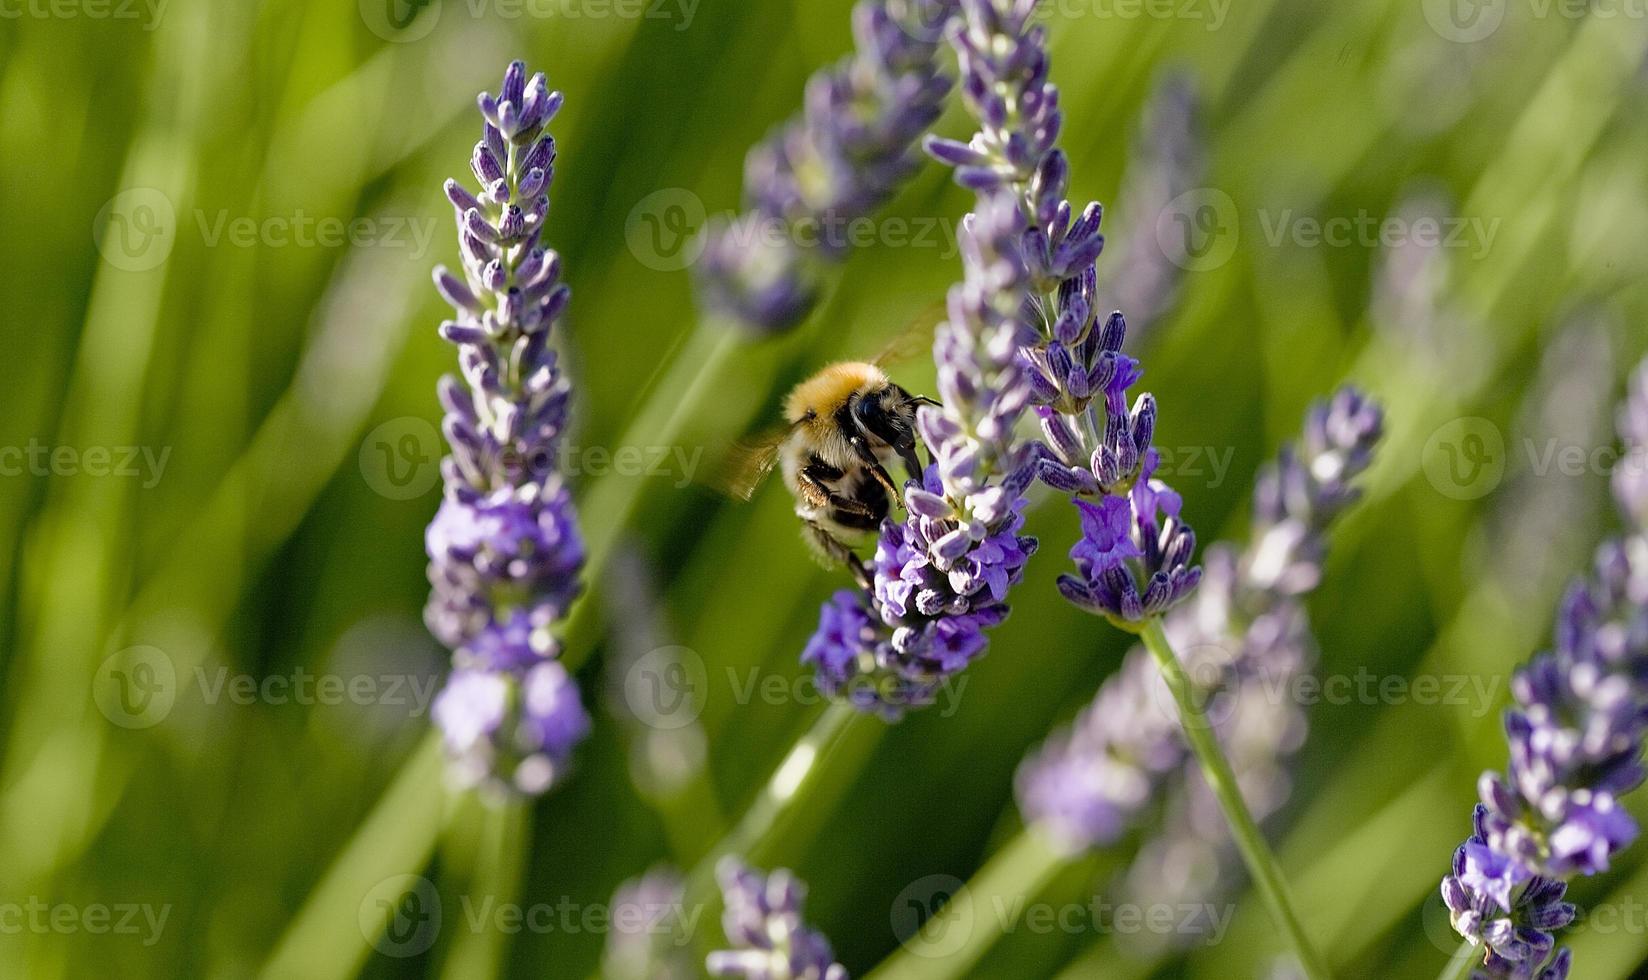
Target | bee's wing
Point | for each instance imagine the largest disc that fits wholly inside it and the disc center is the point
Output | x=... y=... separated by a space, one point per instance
x=746 y=464
x=915 y=339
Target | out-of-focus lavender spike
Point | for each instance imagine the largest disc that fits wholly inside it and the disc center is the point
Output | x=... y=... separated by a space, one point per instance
x=667 y=744
x=1576 y=734
x=649 y=937
x=1087 y=785
x=1168 y=160
x=763 y=922
x=844 y=156
x=1630 y=479
x=504 y=549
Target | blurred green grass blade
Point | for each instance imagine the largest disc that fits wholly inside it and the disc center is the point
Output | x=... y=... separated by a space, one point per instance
x=327 y=938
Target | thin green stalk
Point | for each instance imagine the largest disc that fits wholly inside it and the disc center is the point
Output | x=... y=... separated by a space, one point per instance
x=480 y=952
x=1256 y=854
x=1459 y=967
x=788 y=787
x=949 y=943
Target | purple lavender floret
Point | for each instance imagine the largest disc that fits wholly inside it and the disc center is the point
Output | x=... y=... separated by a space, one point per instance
x=515 y=551
x=511 y=731
x=1575 y=734
x=1133 y=558
x=843 y=157
x=1496 y=903
x=763 y=923
x=504 y=549
x=1243 y=632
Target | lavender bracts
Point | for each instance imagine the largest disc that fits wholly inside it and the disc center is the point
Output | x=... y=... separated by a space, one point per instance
x=1244 y=631
x=843 y=157
x=504 y=548
x=763 y=922
x=1576 y=739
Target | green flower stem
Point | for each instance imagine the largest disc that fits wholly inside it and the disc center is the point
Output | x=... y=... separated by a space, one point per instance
x=1256 y=854
x=788 y=787
x=951 y=942
x=1464 y=958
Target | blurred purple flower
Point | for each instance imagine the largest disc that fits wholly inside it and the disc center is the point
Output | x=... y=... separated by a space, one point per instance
x=1576 y=739
x=1243 y=632
x=511 y=730
x=844 y=156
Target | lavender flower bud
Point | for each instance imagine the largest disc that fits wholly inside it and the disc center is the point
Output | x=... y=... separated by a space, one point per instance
x=763 y=922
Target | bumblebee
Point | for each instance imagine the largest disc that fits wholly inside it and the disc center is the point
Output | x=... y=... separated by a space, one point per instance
x=847 y=427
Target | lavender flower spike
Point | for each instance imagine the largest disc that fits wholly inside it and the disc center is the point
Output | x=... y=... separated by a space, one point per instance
x=1576 y=741
x=1133 y=560
x=504 y=548
x=1244 y=632
x=942 y=576
x=763 y=920
x=843 y=157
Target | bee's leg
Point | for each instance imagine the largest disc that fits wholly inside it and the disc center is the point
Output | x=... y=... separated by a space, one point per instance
x=861 y=449
x=814 y=480
x=839 y=553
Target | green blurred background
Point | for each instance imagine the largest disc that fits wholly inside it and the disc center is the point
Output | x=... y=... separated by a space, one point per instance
x=181 y=276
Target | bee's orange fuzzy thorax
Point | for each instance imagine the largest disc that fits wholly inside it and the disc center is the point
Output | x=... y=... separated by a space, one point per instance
x=828 y=389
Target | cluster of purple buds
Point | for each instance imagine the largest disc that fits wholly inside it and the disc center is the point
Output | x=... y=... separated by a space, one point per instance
x=1576 y=740
x=843 y=157
x=763 y=922
x=1133 y=560
x=1495 y=903
x=1243 y=634
x=504 y=548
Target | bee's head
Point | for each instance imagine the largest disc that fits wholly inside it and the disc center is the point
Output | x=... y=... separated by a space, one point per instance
x=887 y=412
